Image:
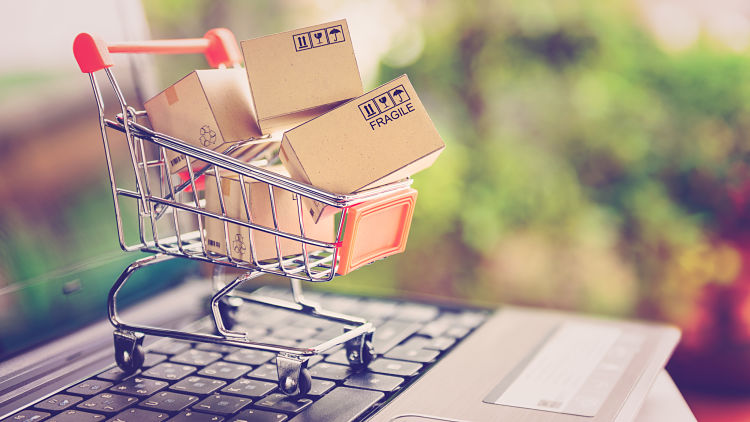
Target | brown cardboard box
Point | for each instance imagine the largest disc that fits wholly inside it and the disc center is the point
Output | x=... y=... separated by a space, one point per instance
x=297 y=75
x=260 y=211
x=378 y=138
x=207 y=108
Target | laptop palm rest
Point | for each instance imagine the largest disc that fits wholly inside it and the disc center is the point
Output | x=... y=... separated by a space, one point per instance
x=538 y=365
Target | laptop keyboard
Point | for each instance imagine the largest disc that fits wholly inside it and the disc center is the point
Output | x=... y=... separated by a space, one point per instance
x=196 y=382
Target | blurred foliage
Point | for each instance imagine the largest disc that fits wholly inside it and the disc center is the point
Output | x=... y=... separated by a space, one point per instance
x=586 y=167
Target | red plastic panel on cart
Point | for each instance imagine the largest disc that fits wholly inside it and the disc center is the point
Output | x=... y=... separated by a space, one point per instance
x=376 y=229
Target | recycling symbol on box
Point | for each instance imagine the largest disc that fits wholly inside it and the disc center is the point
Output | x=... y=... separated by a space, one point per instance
x=238 y=245
x=208 y=136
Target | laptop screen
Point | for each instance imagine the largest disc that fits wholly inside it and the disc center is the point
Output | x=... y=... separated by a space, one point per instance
x=59 y=252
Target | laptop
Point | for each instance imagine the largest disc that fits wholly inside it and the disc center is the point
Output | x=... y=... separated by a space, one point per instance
x=434 y=363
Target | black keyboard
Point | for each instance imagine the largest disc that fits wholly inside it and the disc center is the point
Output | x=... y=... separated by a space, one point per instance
x=195 y=382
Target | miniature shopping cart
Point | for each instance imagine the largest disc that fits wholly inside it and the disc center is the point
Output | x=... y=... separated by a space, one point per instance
x=170 y=212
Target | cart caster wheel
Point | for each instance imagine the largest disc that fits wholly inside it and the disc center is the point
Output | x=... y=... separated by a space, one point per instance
x=360 y=352
x=129 y=353
x=289 y=387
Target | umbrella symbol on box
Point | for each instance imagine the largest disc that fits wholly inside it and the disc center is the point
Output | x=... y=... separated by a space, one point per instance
x=397 y=92
x=335 y=33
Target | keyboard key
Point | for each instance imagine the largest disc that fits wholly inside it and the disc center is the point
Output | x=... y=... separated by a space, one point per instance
x=439 y=343
x=314 y=359
x=342 y=304
x=139 y=415
x=338 y=357
x=225 y=370
x=255 y=415
x=222 y=404
x=457 y=332
x=343 y=404
x=107 y=403
x=76 y=416
x=282 y=403
x=320 y=387
x=416 y=312
x=113 y=374
x=90 y=387
x=250 y=357
x=330 y=371
x=252 y=331
x=190 y=416
x=377 y=309
x=169 y=347
x=279 y=341
x=152 y=359
x=196 y=357
x=437 y=327
x=328 y=333
x=198 y=385
x=372 y=381
x=470 y=319
x=58 y=402
x=27 y=415
x=169 y=371
x=266 y=371
x=295 y=333
x=394 y=367
x=212 y=347
x=309 y=321
x=168 y=401
x=391 y=333
x=250 y=388
x=138 y=386
x=412 y=355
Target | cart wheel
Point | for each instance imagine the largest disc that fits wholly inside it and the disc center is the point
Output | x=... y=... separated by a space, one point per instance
x=360 y=352
x=129 y=353
x=288 y=385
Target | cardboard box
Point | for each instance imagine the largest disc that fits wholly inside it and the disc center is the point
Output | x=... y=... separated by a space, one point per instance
x=297 y=75
x=207 y=108
x=378 y=138
x=260 y=211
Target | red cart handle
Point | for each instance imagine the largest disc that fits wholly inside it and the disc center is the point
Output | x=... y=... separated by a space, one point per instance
x=218 y=45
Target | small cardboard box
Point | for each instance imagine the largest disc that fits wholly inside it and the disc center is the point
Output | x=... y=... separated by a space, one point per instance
x=297 y=75
x=207 y=108
x=261 y=214
x=378 y=138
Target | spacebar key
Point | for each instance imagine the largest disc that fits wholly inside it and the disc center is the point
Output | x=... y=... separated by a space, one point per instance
x=342 y=404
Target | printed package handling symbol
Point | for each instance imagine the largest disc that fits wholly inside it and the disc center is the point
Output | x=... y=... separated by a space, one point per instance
x=196 y=176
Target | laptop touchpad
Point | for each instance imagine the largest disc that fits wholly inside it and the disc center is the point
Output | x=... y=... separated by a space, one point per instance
x=572 y=371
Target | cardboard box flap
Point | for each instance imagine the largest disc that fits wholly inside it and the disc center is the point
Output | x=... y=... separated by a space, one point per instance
x=189 y=124
x=229 y=97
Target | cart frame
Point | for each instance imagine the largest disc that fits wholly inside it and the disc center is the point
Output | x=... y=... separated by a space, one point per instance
x=156 y=195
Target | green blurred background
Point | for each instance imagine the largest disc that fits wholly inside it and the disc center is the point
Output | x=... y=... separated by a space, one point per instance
x=597 y=159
